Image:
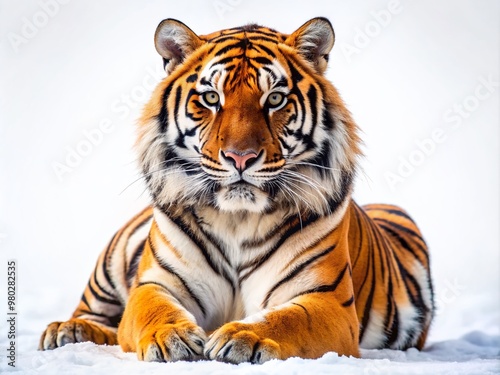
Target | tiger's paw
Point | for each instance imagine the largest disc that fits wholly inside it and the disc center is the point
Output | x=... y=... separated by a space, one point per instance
x=58 y=334
x=236 y=343
x=172 y=342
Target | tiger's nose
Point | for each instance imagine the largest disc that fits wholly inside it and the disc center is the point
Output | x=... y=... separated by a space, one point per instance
x=240 y=161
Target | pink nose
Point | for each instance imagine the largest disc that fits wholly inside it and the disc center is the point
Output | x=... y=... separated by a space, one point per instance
x=240 y=161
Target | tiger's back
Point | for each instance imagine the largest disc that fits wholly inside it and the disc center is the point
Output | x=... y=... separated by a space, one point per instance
x=249 y=155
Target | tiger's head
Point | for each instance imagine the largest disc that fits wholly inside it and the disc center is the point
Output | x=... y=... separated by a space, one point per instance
x=246 y=121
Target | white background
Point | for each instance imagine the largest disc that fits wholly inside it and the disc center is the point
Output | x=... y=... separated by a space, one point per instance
x=76 y=68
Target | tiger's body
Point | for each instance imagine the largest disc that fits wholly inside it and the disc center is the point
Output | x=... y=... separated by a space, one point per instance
x=254 y=248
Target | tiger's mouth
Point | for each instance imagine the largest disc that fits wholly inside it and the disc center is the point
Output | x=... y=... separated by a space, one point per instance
x=242 y=190
x=242 y=195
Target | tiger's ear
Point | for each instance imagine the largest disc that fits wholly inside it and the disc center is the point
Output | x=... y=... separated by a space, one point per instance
x=174 y=41
x=314 y=41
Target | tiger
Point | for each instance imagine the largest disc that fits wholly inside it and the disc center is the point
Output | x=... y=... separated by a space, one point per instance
x=253 y=248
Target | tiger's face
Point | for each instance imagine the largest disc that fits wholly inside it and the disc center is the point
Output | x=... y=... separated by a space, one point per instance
x=246 y=121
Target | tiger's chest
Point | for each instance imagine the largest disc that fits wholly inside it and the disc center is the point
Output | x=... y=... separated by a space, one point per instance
x=242 y=245
x=233 y=265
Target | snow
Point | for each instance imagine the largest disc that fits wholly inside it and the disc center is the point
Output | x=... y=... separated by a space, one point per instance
x=86 y=70
x=474 y=353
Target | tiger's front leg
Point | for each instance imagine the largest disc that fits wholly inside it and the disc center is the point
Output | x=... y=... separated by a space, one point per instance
x=307 y=327
x=156 y=327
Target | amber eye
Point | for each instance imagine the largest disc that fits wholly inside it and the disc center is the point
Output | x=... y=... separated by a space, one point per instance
x=211 y=98
x=275 y=99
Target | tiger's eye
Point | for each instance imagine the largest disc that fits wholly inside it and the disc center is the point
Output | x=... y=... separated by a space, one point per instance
x=211 y=98
x=275 y=99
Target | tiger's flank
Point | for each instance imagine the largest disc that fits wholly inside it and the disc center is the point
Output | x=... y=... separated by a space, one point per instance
x=11 y=312
x=253 y=248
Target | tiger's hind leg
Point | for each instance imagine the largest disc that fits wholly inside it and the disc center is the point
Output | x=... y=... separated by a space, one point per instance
x=101 y=307
x=410 y=257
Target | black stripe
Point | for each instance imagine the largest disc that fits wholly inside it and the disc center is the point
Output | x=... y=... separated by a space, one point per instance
x=327 y=118
x=105 y=263
x=416 y=299
x=417 y=302
x=269 y=169
x=282 y=82
x=198 y=243
x=134 y=262
x=360 y=228
x=342 y=194
x=213 y=168
x=299 y=226
x=96 y=282
x=241 y=44
x=180 y=137
x=308 y=315
x=295 y=74
x=263 y=39
x=203 y=156
x=170 y=270
x=218 y=245
x=322 y=159
x=259 y=31
x=85 y=300
x=205 y=82
x=380 y=247
x=296 y=271
x=227 y=60
x=152 y=283
x=389 y=210
x=212 y=75
x=270 y=234
x=400 y=227
x=164 y=287
x=236 y=77
x=100 y=298
x=391 y=332
x=262 y=60
x=328 y=288
x=368 y=249
x=349 y=302
x=369 y=301
x=113 y=320
x=163 y=115
x=312 y=96
x=286 y=146
x=224 y=38
x=384 y=224
x=192 y=78
x=250 y=65
x=229 y=68
x=169 y=158
x=263 y=48
x=302 y=307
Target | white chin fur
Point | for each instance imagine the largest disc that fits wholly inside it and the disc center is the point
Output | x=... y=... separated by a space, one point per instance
x=241 y=198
